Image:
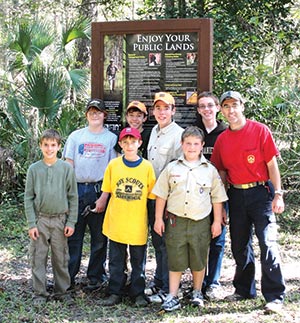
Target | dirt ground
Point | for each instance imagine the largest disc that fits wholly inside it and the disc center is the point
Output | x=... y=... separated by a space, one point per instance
x=15 y=276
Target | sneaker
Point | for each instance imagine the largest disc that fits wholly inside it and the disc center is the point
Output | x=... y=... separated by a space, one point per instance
x=140 y=301
x=171 y=303
x=112 y=300
x=197 y=298
x=159 y=297
x=273 y=307
x=152 y=289
x=213 y=293
x=235 y=297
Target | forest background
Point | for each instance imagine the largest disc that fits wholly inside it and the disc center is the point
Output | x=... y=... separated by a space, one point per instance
x=45 y=82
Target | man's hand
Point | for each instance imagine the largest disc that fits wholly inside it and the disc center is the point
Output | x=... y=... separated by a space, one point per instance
x=278 y=204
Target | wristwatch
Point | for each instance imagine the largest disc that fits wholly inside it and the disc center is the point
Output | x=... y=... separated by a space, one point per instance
x=279 y=192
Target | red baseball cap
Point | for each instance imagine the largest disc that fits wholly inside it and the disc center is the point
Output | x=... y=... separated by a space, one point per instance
x=130 y=132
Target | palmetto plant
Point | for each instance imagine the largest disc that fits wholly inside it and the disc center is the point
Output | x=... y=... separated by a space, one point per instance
x=41 y=86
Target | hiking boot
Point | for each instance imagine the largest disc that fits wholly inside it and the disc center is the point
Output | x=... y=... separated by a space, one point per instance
x=273 y=307
x=197 y=298
x=140 y=301
x=235 y=297
x=112 y=300
x=159 y=297
x=171 y=303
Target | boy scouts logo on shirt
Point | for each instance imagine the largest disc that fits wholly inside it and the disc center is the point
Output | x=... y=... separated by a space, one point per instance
x=129 y=189
x=251 y=159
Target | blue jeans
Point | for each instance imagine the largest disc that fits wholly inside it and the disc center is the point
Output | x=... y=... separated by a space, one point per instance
x=161 y=276
x=215 y=258
x=247 y=209
x=117 y=268
x=98 y=242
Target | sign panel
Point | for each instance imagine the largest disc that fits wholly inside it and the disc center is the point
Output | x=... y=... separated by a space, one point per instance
x=128 y=66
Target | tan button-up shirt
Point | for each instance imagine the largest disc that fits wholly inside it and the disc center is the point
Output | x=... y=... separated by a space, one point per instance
x=190 y=188
x=164 y=146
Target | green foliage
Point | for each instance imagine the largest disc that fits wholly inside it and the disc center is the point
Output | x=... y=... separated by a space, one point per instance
x=40 y=86
x=256 y=52
x=44 y=89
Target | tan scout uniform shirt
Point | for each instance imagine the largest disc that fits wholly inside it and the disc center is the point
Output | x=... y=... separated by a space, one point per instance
x=190 y=188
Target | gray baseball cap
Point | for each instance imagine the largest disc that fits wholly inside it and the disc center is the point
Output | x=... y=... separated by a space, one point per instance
x=231 y=95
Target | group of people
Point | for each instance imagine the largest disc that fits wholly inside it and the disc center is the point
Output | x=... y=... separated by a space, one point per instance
x=182 y=184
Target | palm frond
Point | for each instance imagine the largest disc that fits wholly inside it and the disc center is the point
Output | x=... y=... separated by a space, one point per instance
x=79 y=80
x=79 y=29
x=45 y=90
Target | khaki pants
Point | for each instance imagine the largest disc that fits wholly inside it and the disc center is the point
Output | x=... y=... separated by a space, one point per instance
x=51 y=234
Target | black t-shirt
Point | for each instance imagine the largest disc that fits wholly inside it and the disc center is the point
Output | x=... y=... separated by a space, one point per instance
x=143 y=148
x=210 y=138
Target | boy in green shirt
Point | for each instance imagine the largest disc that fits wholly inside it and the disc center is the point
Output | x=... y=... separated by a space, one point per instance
x=51 y=205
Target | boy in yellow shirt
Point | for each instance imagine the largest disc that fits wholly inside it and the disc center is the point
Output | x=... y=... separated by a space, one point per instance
x=129 y=180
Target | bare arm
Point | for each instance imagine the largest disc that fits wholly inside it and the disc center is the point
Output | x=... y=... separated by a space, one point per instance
x=274 y=174
x=159 y=225
x=216 y=226
x=101 y=202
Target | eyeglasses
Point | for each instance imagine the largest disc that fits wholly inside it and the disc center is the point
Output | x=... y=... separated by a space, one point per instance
x=203 y=106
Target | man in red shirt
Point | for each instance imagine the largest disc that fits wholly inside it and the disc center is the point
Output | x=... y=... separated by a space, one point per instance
x=245 y=155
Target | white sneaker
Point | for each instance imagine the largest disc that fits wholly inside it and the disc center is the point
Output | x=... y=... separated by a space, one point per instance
x=151 y=290
x=214 y=293
x=159 y=297
x=197 y=298
x=273 y=307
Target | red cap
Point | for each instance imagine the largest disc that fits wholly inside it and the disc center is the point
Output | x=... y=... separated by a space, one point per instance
x=130 y=132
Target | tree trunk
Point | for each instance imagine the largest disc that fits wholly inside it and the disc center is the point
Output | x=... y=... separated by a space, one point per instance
x=87 y=9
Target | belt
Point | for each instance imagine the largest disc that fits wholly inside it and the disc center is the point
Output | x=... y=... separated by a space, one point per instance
x=90 y=183
x=248 y=185
x=51 y=214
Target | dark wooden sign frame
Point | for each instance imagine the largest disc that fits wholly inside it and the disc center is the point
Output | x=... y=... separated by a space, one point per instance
x=203 y=26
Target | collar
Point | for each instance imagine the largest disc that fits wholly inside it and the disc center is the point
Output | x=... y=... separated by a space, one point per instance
x=201 y=160
x=165 y=129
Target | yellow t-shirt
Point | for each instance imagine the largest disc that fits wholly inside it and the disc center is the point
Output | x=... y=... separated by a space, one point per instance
x=126 y=219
